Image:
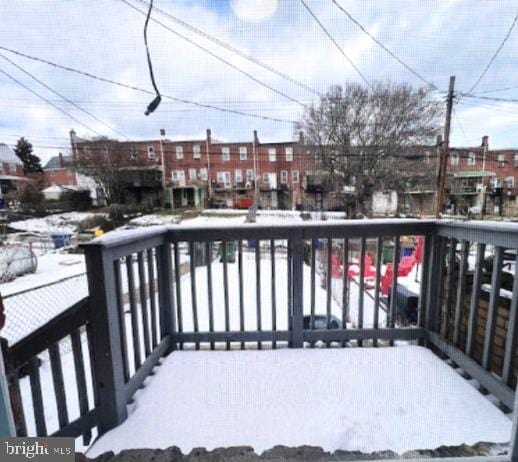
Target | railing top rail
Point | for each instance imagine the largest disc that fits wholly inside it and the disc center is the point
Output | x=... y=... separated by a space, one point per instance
x=503 y=234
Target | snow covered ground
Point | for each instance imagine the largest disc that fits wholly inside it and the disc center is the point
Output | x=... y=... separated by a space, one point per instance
x=60 y=222
x=365 y=399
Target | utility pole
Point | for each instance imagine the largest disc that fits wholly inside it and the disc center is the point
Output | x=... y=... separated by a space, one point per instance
x=446 y=149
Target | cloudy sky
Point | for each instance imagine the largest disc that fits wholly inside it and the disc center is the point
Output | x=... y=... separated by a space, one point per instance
x=437 y=38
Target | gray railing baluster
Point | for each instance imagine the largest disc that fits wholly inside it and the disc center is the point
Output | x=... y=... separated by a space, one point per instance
x=425 y=268
x=121 y=317
x=241 y=292
x=37 y=398
x=345 y=285
x=492 y=308
x=449 y=287
x=379 y=255
x=290 y=288
x=79 y=367
x=393 y=289
x=152 y=299
x=137 y=358
x=329 y=287
x=225 y=289
x=461 y=289
x=297 y=329
x=512 y=332
x=166 y=302
x=475 y=299
x=361 y=288
x=143 y=303
x=274 y=296
x=208 y=252
x=178 y=284
x=258 y=287
x=193 y=290
x=313 y=282
x=59 y=386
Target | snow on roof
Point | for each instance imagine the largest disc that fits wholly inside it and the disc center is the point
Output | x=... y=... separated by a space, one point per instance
x=8 y=155
x=53 y=188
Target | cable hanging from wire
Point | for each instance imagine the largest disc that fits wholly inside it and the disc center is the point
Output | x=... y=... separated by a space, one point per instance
x=154 y=104
x=340 y=49
x=143 y=90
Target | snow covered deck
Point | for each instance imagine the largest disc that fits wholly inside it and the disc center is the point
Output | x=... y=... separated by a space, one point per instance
x=366 y=399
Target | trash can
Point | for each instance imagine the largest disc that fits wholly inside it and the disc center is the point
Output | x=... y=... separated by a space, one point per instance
x=60 y=240
x=229 y=251
x=388 y=253
x=407 y=251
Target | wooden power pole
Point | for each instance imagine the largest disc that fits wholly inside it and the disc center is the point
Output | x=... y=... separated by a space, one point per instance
x=446 y=149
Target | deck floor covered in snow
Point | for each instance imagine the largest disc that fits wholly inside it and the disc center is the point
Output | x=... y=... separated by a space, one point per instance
x=366 y=399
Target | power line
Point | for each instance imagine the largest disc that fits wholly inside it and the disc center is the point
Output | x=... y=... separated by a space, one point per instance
x=340 y=49
x=496 y=90
x=235 y=50
x=494 y=55
x=49 y=102
x=219 y=58
x=143 y=90
x=457 y=119
x=490 y=98
x=400 y=61
x=60 y=95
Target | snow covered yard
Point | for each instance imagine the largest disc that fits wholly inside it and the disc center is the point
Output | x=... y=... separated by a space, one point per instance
x=365 y=399
x=59 y=222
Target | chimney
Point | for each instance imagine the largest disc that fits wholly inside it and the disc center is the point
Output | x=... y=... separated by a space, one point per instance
x=485 y=141
x=301 y=137
x=162 y=132
x=61 y=161
x=209 y=139
x=256 y=139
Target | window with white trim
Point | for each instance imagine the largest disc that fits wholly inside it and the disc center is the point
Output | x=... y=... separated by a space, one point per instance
x=509 y=182
x=249 y=175
x=87 y=151
x=104 y=152
x=454 y=160
x=289 y=154
x=501 y=160
x=472 y=158
x=179 y=152
x=295 y=176
x=203 y=174
x=192 y=174
x=225 y=153
x=132 y=152
x=266 y=177
x=225 y=178
x=515 y=161
x=284 y=176
x=239 y=176
x=176 y=175
x=243 y=154
x=272 y=154
x=427 y=158
x=196 y=151
x=151 y=152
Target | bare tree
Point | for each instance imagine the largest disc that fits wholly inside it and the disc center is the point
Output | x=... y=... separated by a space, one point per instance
x=362 y=136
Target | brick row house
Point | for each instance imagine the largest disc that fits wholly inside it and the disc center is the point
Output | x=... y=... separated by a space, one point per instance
x=11 y=172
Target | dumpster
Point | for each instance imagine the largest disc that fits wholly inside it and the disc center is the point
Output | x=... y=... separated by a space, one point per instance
x=229 y=251
x=60 y=240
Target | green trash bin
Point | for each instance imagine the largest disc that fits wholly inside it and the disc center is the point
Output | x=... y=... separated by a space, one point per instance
x=230 y=252
x=388 y=253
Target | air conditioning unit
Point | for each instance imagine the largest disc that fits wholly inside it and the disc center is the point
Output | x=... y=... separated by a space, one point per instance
x=248 y=185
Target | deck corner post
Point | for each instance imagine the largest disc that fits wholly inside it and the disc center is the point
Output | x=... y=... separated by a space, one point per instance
x=297 y=268
x=433 y=284
x=107 y=354
x=165 y=294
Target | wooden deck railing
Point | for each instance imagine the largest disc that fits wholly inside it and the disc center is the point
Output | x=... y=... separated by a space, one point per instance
x=157 y=290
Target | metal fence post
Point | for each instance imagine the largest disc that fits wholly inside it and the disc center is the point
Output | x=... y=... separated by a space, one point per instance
x=297 y=266
x=107 y=352
x=166 y=305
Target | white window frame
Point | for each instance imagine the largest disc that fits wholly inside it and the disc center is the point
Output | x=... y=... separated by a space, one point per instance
x=179 y=152
x=266 y=178
x=472 y=158
x=196 y=151
x=284 y=176
x=509 y=182
x=516 y=160
x=289 y=153
x=243 y=153
x=238 y=175
x=12 y=167
x=500 y=160
x=454 y=160
x=151 y=152
x=295 y=176
x=225 y=178
x=204 y=175
x=87 y=151
x=225 y=154
x=105 y=152
x=249 y=175
x=176 y=175
x=272 y=154
x=192 y=174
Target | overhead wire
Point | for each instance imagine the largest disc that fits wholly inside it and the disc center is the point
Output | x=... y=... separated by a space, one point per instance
x=154 y=104
x=143 y=90
x=340 y=49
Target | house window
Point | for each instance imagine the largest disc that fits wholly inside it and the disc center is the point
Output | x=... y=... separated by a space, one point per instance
x=509 y=182
x=239 y=176
x=203 y=174
x=242 y=153
x=225 y=179
x=454 y=159
x=176 y=175
x=427 y=158
x=289 y=154
x=192 y=174
x=12 y=168
x=225 y=154
x=249 y=175
x=133 y=153
x=272 y=154
x=104 y=152
x=196 y=151
x=179 y=152
x=88 y=152
x=284 y=176
x=151 y=152
x=266 y=177
x=472 y=158
x=501 y=160
x=295 y=176
x=515 y=160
